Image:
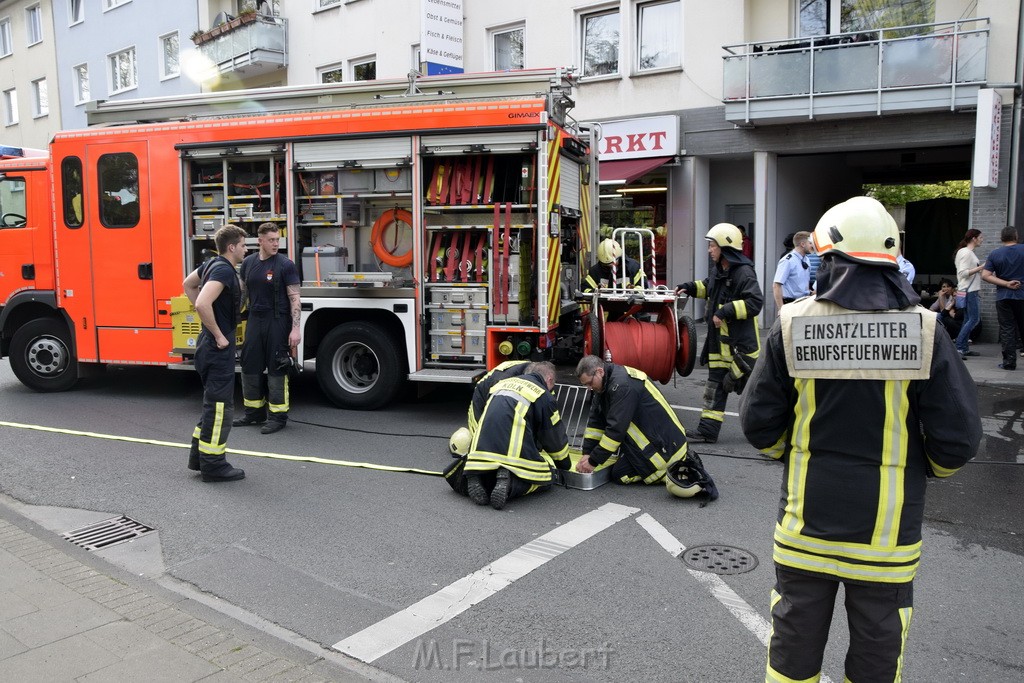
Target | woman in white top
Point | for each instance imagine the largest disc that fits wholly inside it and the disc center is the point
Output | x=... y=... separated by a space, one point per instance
x=968 y=273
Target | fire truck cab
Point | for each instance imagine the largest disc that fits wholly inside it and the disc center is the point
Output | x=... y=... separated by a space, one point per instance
x=440 y=226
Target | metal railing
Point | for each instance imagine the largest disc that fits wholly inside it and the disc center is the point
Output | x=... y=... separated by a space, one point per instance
x=944 y=54
x=262 y=41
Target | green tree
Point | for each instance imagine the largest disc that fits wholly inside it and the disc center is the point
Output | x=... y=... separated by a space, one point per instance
x=898 y=195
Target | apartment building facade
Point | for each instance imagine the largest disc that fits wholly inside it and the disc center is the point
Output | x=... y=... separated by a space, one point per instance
x=28 y=74
x=757 y=112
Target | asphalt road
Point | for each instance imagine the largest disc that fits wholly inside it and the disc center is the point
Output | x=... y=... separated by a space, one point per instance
x=327 y=551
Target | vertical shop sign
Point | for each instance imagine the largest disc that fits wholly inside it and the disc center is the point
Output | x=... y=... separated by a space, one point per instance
x=986 y=139
x=441 y=44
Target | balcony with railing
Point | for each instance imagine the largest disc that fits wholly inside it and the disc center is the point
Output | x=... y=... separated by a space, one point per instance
x=928 y=67
x=249 y=45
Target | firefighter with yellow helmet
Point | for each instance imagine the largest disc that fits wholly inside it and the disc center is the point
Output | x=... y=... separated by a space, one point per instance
x=852 y=393
x=599 y=276
x=733 y=341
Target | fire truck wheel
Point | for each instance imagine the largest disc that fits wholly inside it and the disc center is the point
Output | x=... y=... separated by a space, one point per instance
x=41 y=356
x=359 y=366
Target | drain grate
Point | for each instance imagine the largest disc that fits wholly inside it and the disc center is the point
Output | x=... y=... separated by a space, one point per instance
x=107 y=533
x=719 y=559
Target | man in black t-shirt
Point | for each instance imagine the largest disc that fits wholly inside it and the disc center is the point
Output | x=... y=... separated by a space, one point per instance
x=271 y=284
x=215 y=291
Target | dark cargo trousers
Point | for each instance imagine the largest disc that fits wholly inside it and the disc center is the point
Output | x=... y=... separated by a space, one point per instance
x=216 y=368
x=265 y=337
x=878 y=615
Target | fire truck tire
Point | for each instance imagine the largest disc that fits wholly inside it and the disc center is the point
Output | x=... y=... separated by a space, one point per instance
x=359 y=366
x=41 y=355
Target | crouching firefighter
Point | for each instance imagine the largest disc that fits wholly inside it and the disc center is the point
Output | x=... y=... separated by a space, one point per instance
x=631 y=418
x=215 y=291
x=733 y=340
x=519 y=438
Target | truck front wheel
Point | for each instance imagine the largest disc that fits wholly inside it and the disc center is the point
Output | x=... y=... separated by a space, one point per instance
x=359 y=366
x=41 y=356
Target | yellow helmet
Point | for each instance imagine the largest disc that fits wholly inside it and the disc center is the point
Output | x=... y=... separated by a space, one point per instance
x=687 y=478
x=861 y=230
x=726 y=236
x=608 y=250
x=460 y=442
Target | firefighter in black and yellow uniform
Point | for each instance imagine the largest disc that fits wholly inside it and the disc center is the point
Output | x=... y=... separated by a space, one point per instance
x=519 y=438
x=631 y=418
x=733 y=340
x=482 y=390
x=853 y=394
x=609 y=253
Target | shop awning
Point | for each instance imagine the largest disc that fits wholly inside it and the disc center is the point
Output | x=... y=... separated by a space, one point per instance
x=625 y=171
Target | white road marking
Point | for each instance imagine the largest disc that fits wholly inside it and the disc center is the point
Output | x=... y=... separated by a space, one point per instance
x=739 y=608
x=434 y=610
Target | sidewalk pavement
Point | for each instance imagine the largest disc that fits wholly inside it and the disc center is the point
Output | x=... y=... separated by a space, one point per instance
x=985 y=371
x=68 y=616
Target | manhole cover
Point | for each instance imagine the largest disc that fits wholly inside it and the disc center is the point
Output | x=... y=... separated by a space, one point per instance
x=719 y=559
x=107 y=533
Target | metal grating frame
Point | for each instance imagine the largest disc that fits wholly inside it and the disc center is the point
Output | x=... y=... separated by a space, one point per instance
x=719 y=559
x=107 y=533
x=574 y=408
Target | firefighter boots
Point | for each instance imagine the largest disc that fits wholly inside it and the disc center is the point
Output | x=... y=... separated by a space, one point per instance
x=256 y=417
x=274 y=424
x=475 y=488
x=193 y=455
x=216 y=468
x=502 y=489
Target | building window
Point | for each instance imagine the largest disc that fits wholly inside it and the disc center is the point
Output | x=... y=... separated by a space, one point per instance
x=333 y=73
x=508 y=48
x=76 y=12
x=600 y=42
x=34 y=24
x=825 y=17
x=40 y=99
x=6 y=45
x=123 y=73
x=80 y=78
x=169 y=66
x=658 y=35
x=364 y=70
x=10 y=107
x=111 y=4
x=71 y=182
x=119 y=190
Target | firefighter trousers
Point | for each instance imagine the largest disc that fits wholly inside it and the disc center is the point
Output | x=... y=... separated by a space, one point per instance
x=216 y=368
x=712 y=414
x=801 y=604
x=266 y=336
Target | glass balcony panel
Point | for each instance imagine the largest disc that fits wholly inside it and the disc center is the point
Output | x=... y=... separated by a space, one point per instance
x=917 y=61
x=845 y=68
x=265 y=35
x=970 y=64
x=735 y=78
x=784 y=73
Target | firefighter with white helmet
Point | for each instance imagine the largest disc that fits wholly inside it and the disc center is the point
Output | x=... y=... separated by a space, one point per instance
x=733 y=341
x=609 y=252
x=852 y=393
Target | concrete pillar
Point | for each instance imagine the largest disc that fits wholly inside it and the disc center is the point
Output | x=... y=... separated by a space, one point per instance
x=765 y=229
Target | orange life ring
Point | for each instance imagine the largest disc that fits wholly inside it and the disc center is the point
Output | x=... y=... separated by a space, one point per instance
x=377 y=238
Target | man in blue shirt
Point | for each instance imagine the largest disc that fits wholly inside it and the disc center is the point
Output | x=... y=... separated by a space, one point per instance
x=793 y=276
x=1005 y=270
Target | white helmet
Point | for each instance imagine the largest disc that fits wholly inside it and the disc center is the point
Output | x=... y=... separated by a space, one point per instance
x=726 y=236
x=460 y=442
x=608 y=250
x=687 y=478
x=861 y=230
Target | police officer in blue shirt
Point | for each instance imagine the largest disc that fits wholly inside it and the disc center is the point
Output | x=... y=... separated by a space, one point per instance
x=793 y=275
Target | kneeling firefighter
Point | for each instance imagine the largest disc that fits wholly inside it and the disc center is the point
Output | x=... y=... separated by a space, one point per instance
x=519 y=439
x=733 y=341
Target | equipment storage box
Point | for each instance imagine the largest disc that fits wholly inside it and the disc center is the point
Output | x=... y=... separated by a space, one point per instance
x=327 y=237
x=207 y=200
x=319 y=211
x=585 y=482
x=452 y=297
x=208 y=224
x=355 y=180
x=186 y=325
x=392 y=180
x=447 y=320
x=332 y=260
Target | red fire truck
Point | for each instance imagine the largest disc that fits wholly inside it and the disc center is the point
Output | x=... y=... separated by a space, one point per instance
x=440 y=226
